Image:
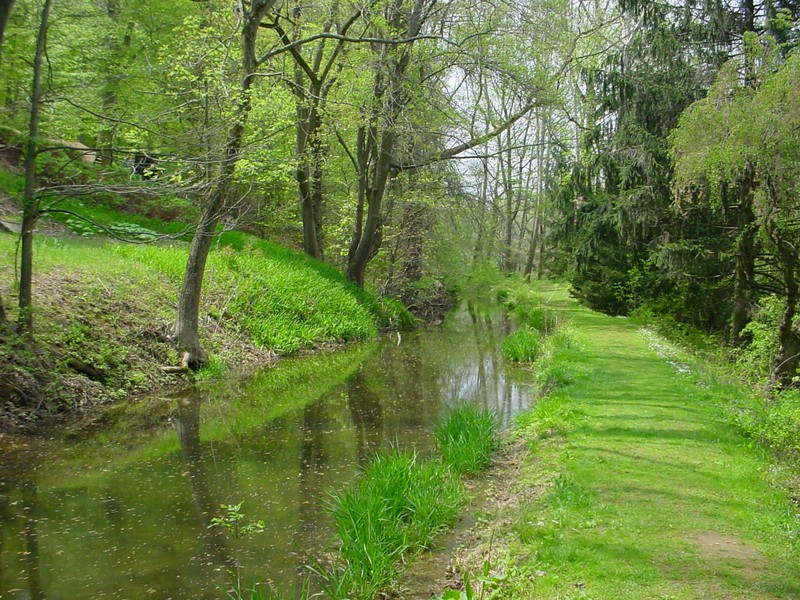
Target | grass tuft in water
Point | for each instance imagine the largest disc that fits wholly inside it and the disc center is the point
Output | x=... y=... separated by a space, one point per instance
x=522 y=345
x=467 y=438
x=397 y=507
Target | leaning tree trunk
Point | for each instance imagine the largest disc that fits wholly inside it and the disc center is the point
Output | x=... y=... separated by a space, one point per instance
x=187 y=336
x=30 y=204
x=365 y=245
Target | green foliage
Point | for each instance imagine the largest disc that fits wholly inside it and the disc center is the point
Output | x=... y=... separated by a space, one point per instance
x=757 y=355
x=233 y=521
x=479 y=281
x=285 y=305
x=780 y=427
x=552 y=415
x=395 y=314
x=397 y=507
x=467 y=438
x=102 y=217
x=12 y=183
x=523 y=345
x=526 y=306
x=283 y=299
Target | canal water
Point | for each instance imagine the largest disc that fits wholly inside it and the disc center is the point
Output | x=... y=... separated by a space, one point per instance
x=125 y=510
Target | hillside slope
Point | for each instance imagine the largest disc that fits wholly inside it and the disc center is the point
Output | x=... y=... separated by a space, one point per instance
x=109 y=307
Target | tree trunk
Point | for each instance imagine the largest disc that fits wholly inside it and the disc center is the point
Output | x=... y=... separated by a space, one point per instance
x=745 y=258
x=786 y=364
x=109 y=94
x=5 y=11
x=532 y=248
x=187 y=337
x=187 y=321
x=540 y=271
x=309 y=174
x=368 y=243
x=30 y=203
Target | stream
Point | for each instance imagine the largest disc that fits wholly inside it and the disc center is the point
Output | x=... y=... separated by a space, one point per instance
x=125 y=510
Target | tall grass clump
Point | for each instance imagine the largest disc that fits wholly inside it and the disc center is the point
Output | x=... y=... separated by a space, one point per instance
x=467 y=438
x=563 y=359
x=396 y=508
x=539 y=318
x=523 y=345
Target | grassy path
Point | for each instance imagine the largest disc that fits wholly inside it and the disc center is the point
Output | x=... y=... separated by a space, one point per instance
x=651 y=493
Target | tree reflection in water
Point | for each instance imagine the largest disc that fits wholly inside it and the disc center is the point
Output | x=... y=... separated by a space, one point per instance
x=187 y=425
x=367 y=413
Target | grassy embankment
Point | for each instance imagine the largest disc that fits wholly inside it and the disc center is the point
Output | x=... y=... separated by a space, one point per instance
x=111 y=305
x=638 y=483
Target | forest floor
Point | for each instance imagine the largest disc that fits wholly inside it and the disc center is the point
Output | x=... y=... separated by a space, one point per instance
x=640 y=487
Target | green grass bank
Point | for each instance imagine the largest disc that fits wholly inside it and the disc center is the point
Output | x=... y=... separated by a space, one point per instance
x=111 y=305
x=636 y=481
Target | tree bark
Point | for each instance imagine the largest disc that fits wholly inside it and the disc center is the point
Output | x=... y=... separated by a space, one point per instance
x=30 y=203
x=532 y=248
x=5 y=11
x=379 y=138
x=309 y=173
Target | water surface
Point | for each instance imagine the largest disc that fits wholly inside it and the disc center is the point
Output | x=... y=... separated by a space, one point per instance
x=125 y=512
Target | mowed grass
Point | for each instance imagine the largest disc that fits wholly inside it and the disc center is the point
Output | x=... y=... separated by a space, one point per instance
x=649 y=490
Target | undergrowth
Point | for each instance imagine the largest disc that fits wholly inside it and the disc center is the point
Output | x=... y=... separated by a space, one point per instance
x=522 y=345
x=536 y=322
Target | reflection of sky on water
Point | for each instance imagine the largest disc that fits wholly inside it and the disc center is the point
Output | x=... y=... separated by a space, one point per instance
x=126 y=512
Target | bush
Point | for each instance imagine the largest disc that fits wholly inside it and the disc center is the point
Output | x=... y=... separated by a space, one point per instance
x=780 y=427
x=467 y=438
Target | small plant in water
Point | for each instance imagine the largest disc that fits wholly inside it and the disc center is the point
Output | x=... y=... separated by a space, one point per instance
x=399 y=505
x=467 y=438
x=233 y=520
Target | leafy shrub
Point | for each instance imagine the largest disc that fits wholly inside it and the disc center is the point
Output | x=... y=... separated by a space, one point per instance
x=467 y=438
x=539 y=318
x=756 y=358
x=395 y=313
x=780 y=427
